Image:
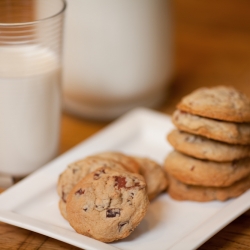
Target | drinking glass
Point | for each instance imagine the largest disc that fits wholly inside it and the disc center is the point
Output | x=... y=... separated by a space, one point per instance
x=30 y=79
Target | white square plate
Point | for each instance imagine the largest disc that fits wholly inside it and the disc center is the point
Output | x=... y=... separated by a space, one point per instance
x=169 y=224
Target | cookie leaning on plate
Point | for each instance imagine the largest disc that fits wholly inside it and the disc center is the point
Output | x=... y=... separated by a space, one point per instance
x=154 y=176
x=233 y=133
x=181 y=191
x=129 y=162
x=206 y=149
x=205 y=173
x=108 y=204
x=221 y=102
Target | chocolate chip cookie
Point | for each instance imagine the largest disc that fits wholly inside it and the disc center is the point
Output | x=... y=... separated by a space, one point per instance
x=108 y=204
x=205 y=173
x=206 y=149
x=221 y=102
x=78 y=170
x=154 y=176
x=129 y=163
x=234 y=133
x=181 y=191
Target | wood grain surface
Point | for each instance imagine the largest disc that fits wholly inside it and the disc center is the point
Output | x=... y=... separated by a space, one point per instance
x=212 y=47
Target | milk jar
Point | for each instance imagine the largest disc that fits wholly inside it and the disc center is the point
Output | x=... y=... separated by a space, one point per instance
x=117 y=56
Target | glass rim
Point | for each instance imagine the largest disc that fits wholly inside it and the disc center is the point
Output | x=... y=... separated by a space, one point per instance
x=64 y=5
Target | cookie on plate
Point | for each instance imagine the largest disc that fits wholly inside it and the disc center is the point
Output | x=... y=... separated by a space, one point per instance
x=181 y=191
x=206 y=149
x=78 y=170
x=154 y=176
x=221 y=102
x=130 y=164
x=205 y=173
x=108 y=204
x=234 y=133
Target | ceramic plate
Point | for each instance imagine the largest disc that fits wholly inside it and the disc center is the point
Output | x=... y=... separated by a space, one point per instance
x=169 y=224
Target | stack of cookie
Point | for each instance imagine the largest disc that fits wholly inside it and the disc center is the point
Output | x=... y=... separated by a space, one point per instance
x=212 y=146
x=105 y=196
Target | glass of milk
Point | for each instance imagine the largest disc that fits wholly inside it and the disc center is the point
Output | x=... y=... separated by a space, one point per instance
x=117 y=56
x=30 y=78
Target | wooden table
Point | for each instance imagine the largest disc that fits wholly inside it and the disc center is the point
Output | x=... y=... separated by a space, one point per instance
x=212 y=44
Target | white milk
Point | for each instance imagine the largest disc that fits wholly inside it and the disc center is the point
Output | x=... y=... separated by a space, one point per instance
x=29 y=108
x=117 y=55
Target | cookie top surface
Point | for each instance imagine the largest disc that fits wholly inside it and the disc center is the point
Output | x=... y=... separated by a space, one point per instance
x=230 y=132
x=78 y=170
x=221 y=102
x=205 y=173
x=154 y=176
x=107 y=204
x=207 y=149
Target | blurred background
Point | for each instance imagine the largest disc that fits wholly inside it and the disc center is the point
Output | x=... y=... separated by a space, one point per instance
x=211 y=47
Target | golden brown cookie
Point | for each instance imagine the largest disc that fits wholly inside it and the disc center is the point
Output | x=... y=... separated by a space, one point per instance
x=206 y=149
x=181 y=191
x=154 y=176
x=221 y=102
x=234 y=133
x=129 y=163
x=108 y=204
x=205 y=173
x=78 y=170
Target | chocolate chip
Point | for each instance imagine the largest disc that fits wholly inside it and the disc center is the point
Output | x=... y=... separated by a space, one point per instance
x=120 y=182
x=129 y=202
x=132 y=195
x=85 y=208
x=74 y=170
x=64 y=197
x=121 y=224
x=98 y=174
x=137 y=184
x=79 y=192
x=112 y=212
